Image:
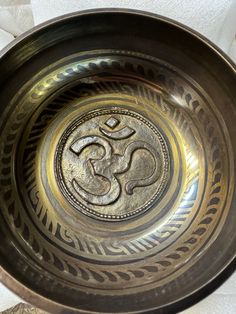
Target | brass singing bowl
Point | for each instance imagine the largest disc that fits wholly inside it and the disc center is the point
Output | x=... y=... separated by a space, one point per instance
x=117 y=162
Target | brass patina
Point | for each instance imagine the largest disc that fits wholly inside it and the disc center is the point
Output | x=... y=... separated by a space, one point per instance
x=117 y=165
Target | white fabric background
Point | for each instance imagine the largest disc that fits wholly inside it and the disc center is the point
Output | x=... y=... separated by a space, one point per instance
x=216 y=19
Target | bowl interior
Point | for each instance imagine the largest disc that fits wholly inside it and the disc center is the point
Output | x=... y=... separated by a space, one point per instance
x=117 y=163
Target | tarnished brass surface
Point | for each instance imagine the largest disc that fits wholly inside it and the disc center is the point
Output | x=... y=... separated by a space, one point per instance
x=104 y=172
x=117 y=174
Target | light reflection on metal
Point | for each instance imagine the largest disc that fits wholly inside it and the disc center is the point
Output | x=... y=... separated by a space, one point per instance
x=116 y=177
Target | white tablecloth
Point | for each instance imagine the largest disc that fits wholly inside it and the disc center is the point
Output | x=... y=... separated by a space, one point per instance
x=216 y=19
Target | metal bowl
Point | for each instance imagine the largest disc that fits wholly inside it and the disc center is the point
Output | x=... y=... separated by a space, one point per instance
x=117 y=161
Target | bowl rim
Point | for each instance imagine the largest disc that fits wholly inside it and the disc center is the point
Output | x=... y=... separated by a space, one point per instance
x=192 y=298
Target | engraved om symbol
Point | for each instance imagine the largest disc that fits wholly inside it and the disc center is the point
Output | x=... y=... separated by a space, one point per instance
x=111 y=164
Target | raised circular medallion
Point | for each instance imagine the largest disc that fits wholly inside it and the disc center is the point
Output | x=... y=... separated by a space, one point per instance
x=112 y=164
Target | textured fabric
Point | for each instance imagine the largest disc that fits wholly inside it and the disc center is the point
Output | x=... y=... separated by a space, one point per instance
x=5 y=38
x=7 y=298
x=15 y=18
x=227 y=34
x=23 y=308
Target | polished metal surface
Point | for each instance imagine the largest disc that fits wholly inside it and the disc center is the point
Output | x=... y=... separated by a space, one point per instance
x=117 y=160
x=106 y=172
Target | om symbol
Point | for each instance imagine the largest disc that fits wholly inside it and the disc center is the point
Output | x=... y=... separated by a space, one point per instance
x=110 y=165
